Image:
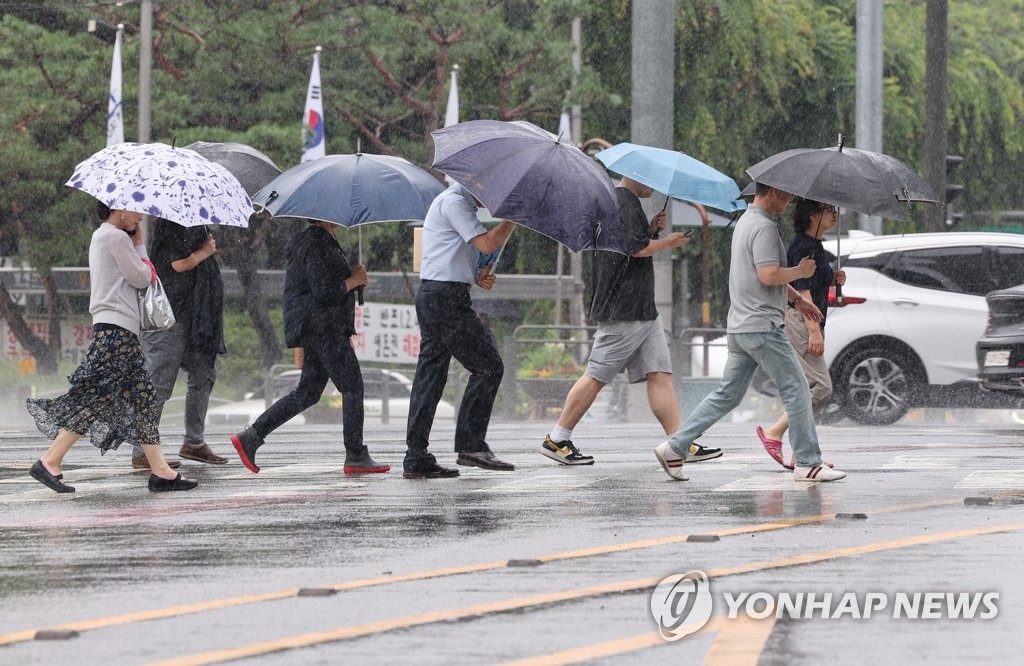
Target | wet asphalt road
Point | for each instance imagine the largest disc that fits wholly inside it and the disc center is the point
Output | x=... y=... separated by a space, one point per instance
x=419 y=570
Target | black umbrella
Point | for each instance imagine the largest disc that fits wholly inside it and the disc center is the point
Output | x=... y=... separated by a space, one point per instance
x=861 y=180
x=252 y=168
x=527 y=175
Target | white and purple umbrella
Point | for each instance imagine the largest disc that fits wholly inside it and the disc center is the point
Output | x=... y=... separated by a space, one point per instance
x=155 y=179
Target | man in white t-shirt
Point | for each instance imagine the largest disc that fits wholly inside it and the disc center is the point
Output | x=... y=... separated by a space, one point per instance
x=453 y=239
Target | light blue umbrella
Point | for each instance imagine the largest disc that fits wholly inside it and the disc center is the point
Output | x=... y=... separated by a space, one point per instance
x=674 y=174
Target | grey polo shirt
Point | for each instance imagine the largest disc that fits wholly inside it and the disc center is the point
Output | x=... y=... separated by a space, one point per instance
x=754 y=306
x=450 y=224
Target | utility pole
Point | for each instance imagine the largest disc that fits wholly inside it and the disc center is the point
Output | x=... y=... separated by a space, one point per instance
x=145 y=67
x=868 y=113
x=145 y=75
x=935 y=86
x=576 y=316
x=652 y=122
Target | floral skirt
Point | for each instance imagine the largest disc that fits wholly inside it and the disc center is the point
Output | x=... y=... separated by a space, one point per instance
x=111 y=396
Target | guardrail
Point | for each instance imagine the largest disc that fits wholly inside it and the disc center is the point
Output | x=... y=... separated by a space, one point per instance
x=385 y=285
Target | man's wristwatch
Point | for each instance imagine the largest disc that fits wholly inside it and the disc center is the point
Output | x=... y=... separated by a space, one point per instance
x=792 y=303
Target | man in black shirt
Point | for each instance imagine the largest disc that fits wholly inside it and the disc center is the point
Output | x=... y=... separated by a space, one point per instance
x=630 y=333
x=183 y=258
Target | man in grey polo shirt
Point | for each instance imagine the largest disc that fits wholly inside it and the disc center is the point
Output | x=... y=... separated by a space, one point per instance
x=453 y=240
x=630 y=334
x=759 y=291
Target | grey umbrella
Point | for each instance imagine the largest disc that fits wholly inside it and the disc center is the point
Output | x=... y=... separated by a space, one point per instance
x=527 y=175
x=252 y=168
x=864 y=181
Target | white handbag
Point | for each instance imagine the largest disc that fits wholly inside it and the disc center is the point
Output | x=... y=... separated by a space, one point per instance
x=154 y=308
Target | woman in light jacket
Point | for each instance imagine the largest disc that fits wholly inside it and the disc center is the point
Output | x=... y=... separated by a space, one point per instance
x=111 y=395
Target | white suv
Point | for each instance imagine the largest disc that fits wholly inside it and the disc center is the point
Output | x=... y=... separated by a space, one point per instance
x=914 y=307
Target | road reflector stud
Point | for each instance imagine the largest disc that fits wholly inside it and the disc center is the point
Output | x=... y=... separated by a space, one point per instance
x=55 y=634
x=524 y=563
x=316 y=592
x=851 y=516
x=977 y=501
x=703 y=538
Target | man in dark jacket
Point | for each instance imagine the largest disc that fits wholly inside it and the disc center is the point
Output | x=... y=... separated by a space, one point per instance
x=184 y=260
x=319 y=316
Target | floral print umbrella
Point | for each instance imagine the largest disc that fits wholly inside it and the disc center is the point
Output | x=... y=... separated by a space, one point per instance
x=176 y=184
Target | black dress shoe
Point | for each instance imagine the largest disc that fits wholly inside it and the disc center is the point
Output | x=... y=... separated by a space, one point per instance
x=484 y=460
x=160 y=484
x=54 y=482
x=433 y=471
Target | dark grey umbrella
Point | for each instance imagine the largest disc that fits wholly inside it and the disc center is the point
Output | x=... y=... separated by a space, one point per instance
x=864 y=181
x=252 y=168
x=525 y=174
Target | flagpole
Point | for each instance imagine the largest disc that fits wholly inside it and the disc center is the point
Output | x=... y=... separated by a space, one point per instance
x=115 y=107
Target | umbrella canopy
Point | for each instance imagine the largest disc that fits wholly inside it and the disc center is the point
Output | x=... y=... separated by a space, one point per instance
x=155 y=179
x=252 y=168
x=867 y=182
x=351 y=189
x=525 y=174
x=674 y=174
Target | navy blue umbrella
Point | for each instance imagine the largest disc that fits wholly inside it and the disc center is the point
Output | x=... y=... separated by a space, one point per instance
x=525 y=174
x=349 y=190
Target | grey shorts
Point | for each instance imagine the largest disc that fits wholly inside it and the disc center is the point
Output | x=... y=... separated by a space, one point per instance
x=638 y=346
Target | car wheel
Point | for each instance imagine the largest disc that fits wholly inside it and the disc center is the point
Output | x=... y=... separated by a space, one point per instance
x=875 y=384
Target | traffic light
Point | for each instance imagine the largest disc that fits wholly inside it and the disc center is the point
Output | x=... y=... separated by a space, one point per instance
x=953 y=163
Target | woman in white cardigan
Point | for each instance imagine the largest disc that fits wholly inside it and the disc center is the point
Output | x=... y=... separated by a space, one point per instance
x=111 y=395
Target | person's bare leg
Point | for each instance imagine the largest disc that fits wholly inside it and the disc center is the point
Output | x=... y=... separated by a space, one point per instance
x=58 y=449
x=779 y=428
x=157 y=463
x=581 y=396
x=661 y=396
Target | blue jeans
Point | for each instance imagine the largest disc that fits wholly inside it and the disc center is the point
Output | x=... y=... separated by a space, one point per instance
x=773 y=352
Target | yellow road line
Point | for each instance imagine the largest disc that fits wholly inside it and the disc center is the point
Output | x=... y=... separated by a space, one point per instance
x=229 y=602
x=740 y=642
x=519 y=603
x=609 y=648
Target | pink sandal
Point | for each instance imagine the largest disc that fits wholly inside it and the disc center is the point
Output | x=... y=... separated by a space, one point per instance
x=772 y=446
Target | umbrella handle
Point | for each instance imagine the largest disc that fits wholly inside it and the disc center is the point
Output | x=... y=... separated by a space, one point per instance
x=839 y=294
x=359 y=295
x=657 y=234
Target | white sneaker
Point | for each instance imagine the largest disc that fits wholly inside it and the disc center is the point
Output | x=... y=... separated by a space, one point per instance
x=817 y=473
x=670 y=461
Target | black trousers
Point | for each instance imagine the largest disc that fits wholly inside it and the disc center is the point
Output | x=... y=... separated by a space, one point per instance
x=323 y=359
x=449 y=327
